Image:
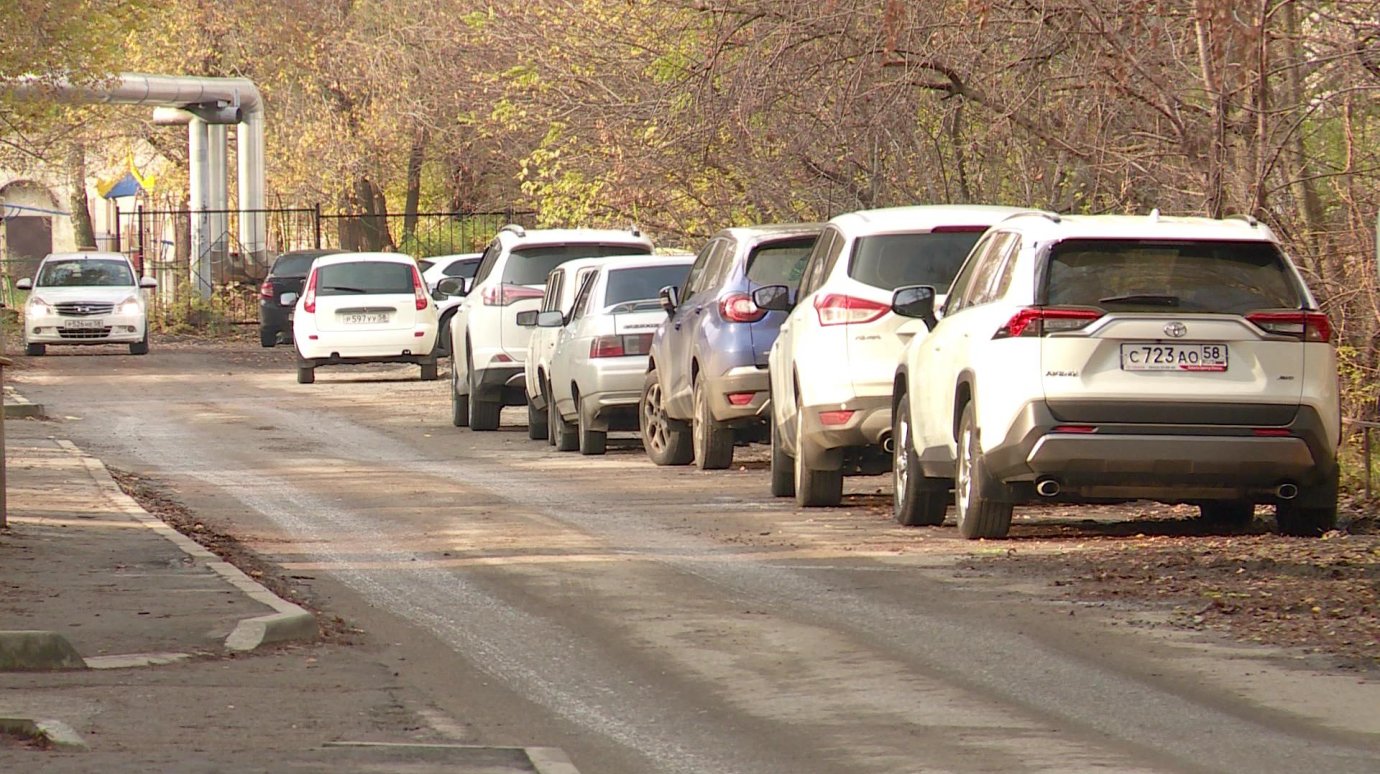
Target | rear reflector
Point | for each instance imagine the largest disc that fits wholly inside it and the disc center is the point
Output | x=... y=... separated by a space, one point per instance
x=419 y=334
x=1042 y=321
x=1076 y=429
x=1304 y=326
x=835 y=417
x=740 y=398
x=1271 y=432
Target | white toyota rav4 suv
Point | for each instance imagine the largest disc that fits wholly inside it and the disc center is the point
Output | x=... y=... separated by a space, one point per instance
x=833 y=364
x=487 y=344
x=1108 y=358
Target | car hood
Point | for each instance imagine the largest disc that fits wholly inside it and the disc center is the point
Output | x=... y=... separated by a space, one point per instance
x=113 y=294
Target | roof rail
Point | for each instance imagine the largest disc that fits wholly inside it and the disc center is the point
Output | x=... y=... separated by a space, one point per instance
x=1155 y=215
x=1250 y=219
x=632 y=227
x=515 y=229
x=1053 y=217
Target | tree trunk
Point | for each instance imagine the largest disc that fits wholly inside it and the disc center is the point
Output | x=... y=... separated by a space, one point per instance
x=414 y=186
x=83 y=233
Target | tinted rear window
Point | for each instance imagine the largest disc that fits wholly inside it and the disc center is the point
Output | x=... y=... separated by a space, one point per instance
x=464 y=269
x=529 y=266
x=642 y=284
x=343 y=279
x=779 y=263
x=1154 y=275
x=84 y=273
x=292 y=265
x=890 y=261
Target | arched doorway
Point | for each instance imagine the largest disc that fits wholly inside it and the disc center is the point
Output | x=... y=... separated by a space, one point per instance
x=26 y=226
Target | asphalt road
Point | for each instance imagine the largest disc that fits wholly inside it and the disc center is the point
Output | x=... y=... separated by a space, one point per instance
x=668 y=620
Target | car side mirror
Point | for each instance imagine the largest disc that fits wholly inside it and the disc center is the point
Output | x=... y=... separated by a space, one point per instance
x=148 y=283
x=527 y=319
x=24 y=284
x=288 y=299
x=452 y=286
x=773 y=298
x=669 y=297
x=916 y=301
x=551 y=319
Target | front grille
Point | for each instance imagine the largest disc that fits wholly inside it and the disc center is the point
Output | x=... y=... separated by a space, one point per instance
x=83 y=308
x=85 y=333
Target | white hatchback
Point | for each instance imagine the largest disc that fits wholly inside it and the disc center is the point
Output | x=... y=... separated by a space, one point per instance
x=364 y=308
x=85 y=298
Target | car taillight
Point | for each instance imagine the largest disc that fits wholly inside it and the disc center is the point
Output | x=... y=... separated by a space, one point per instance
x=505 y=294
x=830 y=418
x=266 y=289
x=835 y=309
x=1304 y=326
x=419 y=290
x=738 y=307
x=309 y=300
x=1041 y=321
x=621 y=346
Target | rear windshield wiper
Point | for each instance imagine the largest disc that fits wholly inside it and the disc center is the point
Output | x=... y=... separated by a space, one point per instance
x=344 y=289
x=1141 y=298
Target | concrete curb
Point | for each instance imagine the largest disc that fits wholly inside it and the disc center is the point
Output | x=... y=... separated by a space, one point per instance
x=37 y=651
x=57 y=733
x=545 y=760
x=18 y=407
x=288 y=622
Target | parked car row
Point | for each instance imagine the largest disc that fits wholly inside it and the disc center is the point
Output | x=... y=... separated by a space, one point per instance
x=987 y=357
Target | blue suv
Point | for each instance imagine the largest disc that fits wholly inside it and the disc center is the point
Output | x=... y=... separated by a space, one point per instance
x=707 y=373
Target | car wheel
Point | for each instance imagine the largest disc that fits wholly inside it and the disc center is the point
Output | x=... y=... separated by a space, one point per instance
x=1312 y=513
x=306 y=374
x=782 y=466
x=917 y=501
x=665 y=439
x=459 y=404
x=267 y=337
x=429 y=370
x=713 y=441
x=443 y=337
x=591 y=441
x=35 y=350
x=566 y=437
x=551 y=415
x=813 y=488
x=484 y=414
x=1227 y=513
x=979 y=516
x=538 y=427
x=140 y=347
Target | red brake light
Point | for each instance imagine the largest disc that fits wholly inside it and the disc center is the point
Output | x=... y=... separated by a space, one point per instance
x=1041 y=321
x=738 y=307
x=419 y=290
x=309 y=301
x=621 y=346
x=266 y=289
x=958 y=229
x=835 y=417
x=1304 y=326
x=835 y=309
x=741 y=398
x=505 y=294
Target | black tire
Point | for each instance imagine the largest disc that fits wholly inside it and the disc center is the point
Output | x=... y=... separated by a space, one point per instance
x=267 y=337
x=563 y=433
x=484 y=414
x=712 y=441
x=550 y=414
x=140 y=347
x=537 y=419
x=917 y=501
x=442 y=348
x=592 y=442
x=306 y=374
x=979 y=516
x=459 y=404
x=782 y=466
x=429 y=371
x=35 y=350
x=814 y=488
x=666 y=440
x=1227 y=513
x=1311 y=514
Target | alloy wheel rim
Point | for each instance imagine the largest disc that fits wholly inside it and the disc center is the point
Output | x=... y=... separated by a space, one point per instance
x=655 y=423
x=900 y=463
x=698 y=429
x=965 y=471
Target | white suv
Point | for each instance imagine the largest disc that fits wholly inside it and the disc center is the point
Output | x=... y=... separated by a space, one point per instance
x=487 y=344
x=1107 y=358
x=85 y=298
x=833 y=364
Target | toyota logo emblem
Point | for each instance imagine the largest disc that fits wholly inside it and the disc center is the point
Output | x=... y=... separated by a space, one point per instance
x=1176 y=330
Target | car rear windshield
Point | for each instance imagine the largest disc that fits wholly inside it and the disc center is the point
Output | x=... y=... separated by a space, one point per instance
x=530 y=265
x=344 y=279
x=292 y=265
x=465 y=268
x=642 y=283
x=779 y=263
x=1156 y=275
x=84 y=273
x=891 y=261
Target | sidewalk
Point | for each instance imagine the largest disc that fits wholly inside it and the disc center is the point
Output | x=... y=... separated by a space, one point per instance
x=181 y=670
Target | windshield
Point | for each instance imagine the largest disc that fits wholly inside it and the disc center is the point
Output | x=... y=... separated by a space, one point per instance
x=890 y=261
x=779 y=263
x=84 y=272
x=642 y=283
x=530 y=265
x=340 y=279
x=1157 y=276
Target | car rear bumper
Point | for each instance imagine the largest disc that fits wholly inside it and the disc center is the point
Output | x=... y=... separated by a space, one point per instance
x=506 y=384
x=868 y=425
x=354 y=345
x=739 y=381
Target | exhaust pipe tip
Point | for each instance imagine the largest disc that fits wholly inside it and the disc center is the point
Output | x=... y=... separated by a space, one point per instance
x=1287 y=491
x=1047 y=487
x=888 y=444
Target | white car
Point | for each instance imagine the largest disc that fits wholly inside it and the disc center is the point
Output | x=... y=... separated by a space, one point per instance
x=85 y=298
x=599 y=365
x=364 y=308
x=833 y=364
x=1104 y=358
x=562 y=284
x=438 y=267
x=487 y=344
